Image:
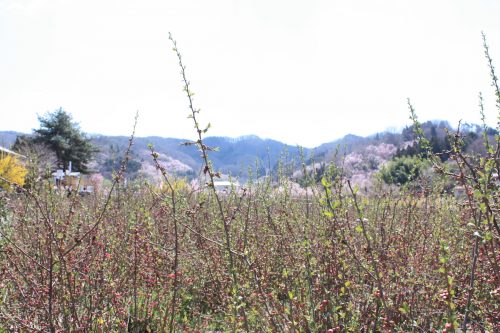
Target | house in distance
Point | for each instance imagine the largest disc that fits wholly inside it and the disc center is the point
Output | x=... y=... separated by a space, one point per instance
x=71 y=180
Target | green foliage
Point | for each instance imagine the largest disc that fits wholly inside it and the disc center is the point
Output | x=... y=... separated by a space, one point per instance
x=402 y=170
x=437 y=144
x=438 y=139
x=64 y=137
x=113 y=165
x=132 y=165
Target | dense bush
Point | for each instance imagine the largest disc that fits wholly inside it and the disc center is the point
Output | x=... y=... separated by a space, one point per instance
x=402 y=170
x=393 y=261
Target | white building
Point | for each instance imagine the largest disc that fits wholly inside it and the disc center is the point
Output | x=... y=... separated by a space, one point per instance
x=226 y=185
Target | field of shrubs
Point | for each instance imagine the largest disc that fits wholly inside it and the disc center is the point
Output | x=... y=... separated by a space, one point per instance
x=146 y=258
x=143 y=259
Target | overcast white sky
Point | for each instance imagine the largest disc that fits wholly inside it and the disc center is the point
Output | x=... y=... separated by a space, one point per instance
x=303 y=72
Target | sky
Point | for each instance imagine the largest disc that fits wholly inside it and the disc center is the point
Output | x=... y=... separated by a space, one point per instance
x=302 y=72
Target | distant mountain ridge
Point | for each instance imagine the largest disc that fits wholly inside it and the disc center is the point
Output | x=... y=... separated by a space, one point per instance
x=236 y=156
x=7 y=138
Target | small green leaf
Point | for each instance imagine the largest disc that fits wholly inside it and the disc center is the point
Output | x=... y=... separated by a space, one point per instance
x=206 y=128
x=356 y=189
x=450 y=280
x=335 y=204
x=359 y=229
x=328 y=214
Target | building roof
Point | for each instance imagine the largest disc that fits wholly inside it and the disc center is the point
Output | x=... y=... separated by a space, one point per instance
x=10 y=152
x=220 y=183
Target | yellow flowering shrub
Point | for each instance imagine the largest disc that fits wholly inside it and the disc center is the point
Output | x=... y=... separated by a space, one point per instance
x=12 y=170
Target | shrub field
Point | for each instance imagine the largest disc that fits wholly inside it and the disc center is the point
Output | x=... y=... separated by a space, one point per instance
x=260 y=258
